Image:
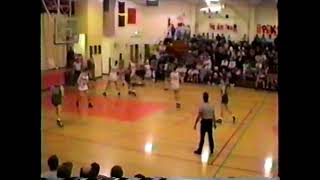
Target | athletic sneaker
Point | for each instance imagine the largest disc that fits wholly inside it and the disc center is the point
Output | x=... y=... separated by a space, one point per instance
x=197 y=152
x=59 y=123
x=233 y=119
x=118 y=94
x=104 y=94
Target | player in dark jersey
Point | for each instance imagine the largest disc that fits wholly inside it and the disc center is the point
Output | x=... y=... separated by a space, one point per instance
x=224 y=90
x=57 y=93
x=127 y=76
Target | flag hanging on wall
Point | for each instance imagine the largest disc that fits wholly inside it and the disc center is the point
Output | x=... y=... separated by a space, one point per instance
x=121 y=6
x=121 y=21
x=132 y=16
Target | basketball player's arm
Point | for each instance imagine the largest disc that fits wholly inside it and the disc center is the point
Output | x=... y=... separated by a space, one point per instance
x=62 y=90
x=197 y=120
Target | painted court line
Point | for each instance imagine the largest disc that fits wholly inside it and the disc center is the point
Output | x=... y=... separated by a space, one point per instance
x=241 y=135
x=233 y=134
x=155 y=154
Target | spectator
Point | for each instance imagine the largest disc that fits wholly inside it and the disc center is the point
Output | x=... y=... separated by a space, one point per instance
x=140 y=176
x=94 y=172
x=116 y=172
x=65 y=170
x=70 y=57
x=53 y=163
x=85 y=172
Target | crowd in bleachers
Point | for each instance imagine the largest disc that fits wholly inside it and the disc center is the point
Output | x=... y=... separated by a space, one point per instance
x=90 y=172
x=207 y=60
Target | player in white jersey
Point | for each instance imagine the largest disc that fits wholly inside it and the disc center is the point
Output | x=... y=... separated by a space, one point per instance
x=182 y=73
x=175 y=85
x=113 y=78
x=83 y=87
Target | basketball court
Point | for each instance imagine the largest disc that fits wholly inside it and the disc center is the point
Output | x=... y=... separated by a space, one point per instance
x=147 y=134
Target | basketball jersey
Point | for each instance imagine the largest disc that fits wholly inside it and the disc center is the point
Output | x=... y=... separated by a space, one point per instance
x=77 y=66
x=83 y=82
x=133 y=68
x=174 y=79
x=57 y=91
x=114 y=71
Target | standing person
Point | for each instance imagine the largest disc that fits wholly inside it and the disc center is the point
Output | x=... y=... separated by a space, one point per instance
x=153 y=64
x=127 y=76
x=121 y=72
x=168 y=69
x=207 y=116
x=182 y=73
x=113 y=79
x=70 y=57
x=83 y=87
x=77 y=65
x=175 y=85
x=56 y=100
x=91 y=67
x=224 y=90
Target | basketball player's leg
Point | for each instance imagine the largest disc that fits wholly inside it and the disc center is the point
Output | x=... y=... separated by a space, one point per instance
x=131 y=91
x=88 y=98
x=230 y=112
x=58 y=112
x=117 y=87
x=177 y=98
x=107 y=87
x=79 y=97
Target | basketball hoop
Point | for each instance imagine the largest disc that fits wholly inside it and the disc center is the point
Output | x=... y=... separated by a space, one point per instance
x=66 y=30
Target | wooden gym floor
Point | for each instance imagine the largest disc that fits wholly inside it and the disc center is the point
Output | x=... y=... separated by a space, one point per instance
x=146 y=134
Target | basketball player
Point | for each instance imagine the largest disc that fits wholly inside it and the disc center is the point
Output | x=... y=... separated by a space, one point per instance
x=83 y=87
x=182 y=73
x=127 y=76
x=175 y=85
x=113 y=79
x=207 y=116
x=56 y=100
x=224 y=90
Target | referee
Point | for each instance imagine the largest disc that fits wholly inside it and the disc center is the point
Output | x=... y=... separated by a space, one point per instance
x=206 y=114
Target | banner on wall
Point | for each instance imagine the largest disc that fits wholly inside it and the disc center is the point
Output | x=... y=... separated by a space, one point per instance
x=132 y=16
x=224 y=27
x=267 y=29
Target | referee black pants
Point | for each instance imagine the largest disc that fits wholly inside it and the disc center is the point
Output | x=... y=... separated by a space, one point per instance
x=206 y=127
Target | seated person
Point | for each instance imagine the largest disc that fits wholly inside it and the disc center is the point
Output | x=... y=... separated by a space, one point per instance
x=224 y=63
x=53 y=163
x=65 y=170
x=195 y=75
x=261 y=78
